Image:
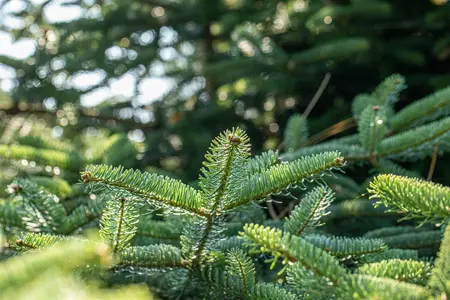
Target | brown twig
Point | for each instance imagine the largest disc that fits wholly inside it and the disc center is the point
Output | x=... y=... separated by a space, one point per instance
x=433 y=162
x=272 y=211
x=332 y=130
x=317 y=95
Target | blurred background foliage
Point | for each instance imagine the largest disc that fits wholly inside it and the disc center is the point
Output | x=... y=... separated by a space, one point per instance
x=156 y=80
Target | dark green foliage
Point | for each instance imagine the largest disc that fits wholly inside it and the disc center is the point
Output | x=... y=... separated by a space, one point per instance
x=307 y=215
x=214 y=239
x=296 y=133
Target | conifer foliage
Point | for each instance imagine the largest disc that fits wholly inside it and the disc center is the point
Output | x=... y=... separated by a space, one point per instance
x=213 y=240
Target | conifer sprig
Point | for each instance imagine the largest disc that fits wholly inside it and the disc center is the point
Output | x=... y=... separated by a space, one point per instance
x=411 y=271
x=416 y=197
x=279 y=177
x=148 y=186
x=428 y=108
x=224 y=170
x=440 y=279
x=118 y=224
x=293 y=249
x=307 y=215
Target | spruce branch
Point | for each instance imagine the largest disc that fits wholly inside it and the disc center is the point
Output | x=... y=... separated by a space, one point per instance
x=371 y=287
x=392 y=231
x=388 y=90
x=295 y=133
x=82 y=215
x=420 y=111
x=440 y=279
x=118 y=224
x=416 y=197
x=292 y=249
x=38 y=241
x=344 y=246
x=307 y=284
x=307 y=215
x=225 y=168
x=66 y=160
x=388 y=254
x=42 y=210
x=416 y=272
x=17 y=271
x=414 y=240
x=149 y=186
x=263 y=162
x=417 y=142
x=153 y=256
x=372 y=128
x=279 y=177
x=241 y=266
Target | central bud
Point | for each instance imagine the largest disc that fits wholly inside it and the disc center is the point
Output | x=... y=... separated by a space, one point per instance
x=234 y=139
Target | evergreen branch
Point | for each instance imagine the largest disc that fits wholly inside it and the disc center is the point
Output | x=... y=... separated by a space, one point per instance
x=82 y=215
x=311 y=209
x=392 y=231
x=241 y=266
x=440 y=279
x=372 y=127
x=225 y=168
x=420 y=111
x=34 y=241
x=118 y=224
x=168 y=229
x=11 y=214
x=44 y=142
x=354 y=152
x=115 y=150
x=153 y=256
x=267 y=291
x=227 y=285
x=414 y=240
x=345 y=246
x=17 y=271
x=417 y=197
x=204 y=238
x=416 y=142
x=331 y=50
x=65 y=160
x=230 y=243
x=361 y=102
x=42 y=211
x=222 y=282
x=279 y=177
x=262 y=162
x=295 y=133
x=416 y=272
x=150 y=186
x=293 y=249
x=388 y=90
x=54 y=185
x=304 y=282
x=404 y=254
x=370 y=287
